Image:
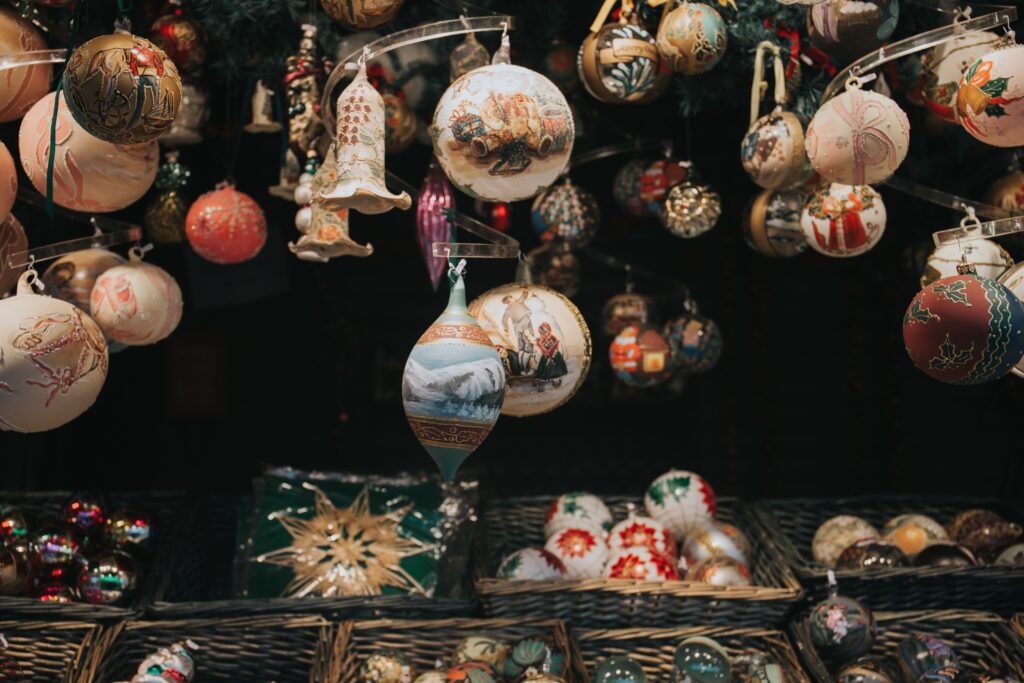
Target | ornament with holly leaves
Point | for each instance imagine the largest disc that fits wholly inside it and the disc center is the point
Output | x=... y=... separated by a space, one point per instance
x=683 y=501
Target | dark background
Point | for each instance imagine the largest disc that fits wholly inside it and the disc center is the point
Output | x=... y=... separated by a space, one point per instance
x=279 y=361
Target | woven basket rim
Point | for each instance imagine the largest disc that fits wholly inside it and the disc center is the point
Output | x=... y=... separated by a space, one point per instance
x=1017 y=622
x=88 y=635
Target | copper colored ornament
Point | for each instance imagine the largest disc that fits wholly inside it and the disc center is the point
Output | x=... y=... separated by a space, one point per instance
x=12 y=241
x=619 y=63
x=21 y=87
x=690 y=210
x=362 y=14
x=626 y=309
x=8 y=182
x=303 y=80
x=982 y=531
x=182 y=39
x=72 y=276
x=226 y=226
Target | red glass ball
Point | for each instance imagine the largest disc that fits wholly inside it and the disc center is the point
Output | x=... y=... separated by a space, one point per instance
x=226 y=226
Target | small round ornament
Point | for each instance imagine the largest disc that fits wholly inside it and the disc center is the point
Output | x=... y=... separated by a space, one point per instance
x=468 y=55
x=502 y=133
x=843 y=220
x=1008 y=192
x=837 y=534
x=387 y=666
x=640 y=356
x=582 y=551
x=871 y=554
x=943 y=66
x=86 y=510
x=13 y=527
x=642 y=532
x=362 y=14
x=8 y=182
x=181 y=38
x=89 y=174
x=481 y=649
x=681 y=500
x=1010 y=556
x=720 y=571
x=922 y=653
x=122 y=88
x=530 y=564
x=640 y=564
x=57 y=546
x=619 y=63
x=841 y=628
x=12 y=241
x=964 y=329
x=15 y=571
x=554 y=265
x=656 y=181
x=990 y=97
x=400 y=123
x=24 y=85
x=54 y=360
x=701 y=660
x=696 y=342
x=847 y=29
x=773 y=151
x=127 y=528
x=717 y=540
x=472 y=672
x=859 y=137
x=560 y=64
x=627 y=309
x=111 y=578
x=529 y=655
x=945 y=554
x=72 y=277
x=771 y=223
x=690 y=210
x=568 y=213
x=136 y=303
x=692 y=38
x=577 y=509
x=982 y=531
x=913 y=532
x=226 y=226
x=543 y=343
x=988 y=259
x=866 y=669
x=619 y=669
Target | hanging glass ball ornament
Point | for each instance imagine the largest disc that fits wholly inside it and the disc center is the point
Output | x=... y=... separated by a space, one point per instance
x=988 y=258
x=625 y=309
x=640 y=356
x=843 y=220
x=696 y=341
x=136 y=303
x=690 y=210
x=773 y=152
x=165 y=216
x=771 y=223
x=626 y=188
x=72 y=276
x=182 y=38
x=226 y=226
x=847 y=29
x=990 y=97
x=362 y=14
x=943 y=66
x=23 y=86
x=568 y=213
x=110 y=578
x=692 y=38
x=619 y=63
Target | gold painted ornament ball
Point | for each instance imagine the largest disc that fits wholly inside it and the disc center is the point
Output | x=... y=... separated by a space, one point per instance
x=692 y=38
x=773 y=152
x=690 y=210
x=122 y=88
x=21 y=87
x=362 y=14
x=136 y=303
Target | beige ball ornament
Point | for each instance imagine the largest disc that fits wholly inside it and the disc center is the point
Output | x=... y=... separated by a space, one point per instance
x=859 y=137
x=54 y=360
x=8 y=182
x=136 y=303
x=843 y=220
x=990 y=98
x=20 y=87
x=89 y=174
x=988 y=258
x=837 y=534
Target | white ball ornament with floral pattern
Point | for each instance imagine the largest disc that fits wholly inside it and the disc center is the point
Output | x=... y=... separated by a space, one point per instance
x=582 y=551
x=642 y=532
x=577 y=509
x=682 y=501
x=641 y=564
x=530 y=564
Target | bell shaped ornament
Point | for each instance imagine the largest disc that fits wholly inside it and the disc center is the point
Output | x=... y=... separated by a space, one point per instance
x=359 y=153
x=453 y=386
x=263 y=119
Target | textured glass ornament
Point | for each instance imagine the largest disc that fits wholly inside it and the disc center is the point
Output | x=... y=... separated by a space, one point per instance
x=620 y=669
x=432 y=224
x=690 y=210
x=841 y=629
x=226 y=226
x=567 y=213
x=165 y=216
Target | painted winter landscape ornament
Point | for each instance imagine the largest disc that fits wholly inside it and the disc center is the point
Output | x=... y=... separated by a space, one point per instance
x=453 y=386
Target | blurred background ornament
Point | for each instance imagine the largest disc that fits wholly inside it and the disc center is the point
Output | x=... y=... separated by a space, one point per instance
x=110 y=578
x=187 y=128
x=303 y=81
x=16 y=572
x=8 y=182
x=226 y=226
x=871 y=554
x=12 y=241
x=692 y=38
x=847 y=29
x=263 y=119
x=560 y=65
x=1008 y=192
x=640 y=356
x=362 y=14
x=496 y=214
x=913 y=532
x=136 y=303
x=690 y=210
x=181 y=37
x=86 y=510
x=625 y=309
x=72 y=276
x=400 y=123
x=568 y=213
x=626 y=188
x=988 y=258
x=433 y=223
x=773 y=152
x=468 y=55
x=165 y=215
x=126 y=528
x=720 y=571
x=57 y=547
x=836 y=534
x=554 y=265
x=771 y=223
x=843 y=220
x=717 y=540
x=175 y=663
x=696 y=341
x=23 y=86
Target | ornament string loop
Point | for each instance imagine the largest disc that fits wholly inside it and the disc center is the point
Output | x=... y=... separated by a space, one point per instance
x=759 y=87
x=602 y=15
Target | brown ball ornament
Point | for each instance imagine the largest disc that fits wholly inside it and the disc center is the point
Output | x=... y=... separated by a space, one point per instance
x=182 y=39
x=12 y=241
x=620 y=63
x=21 y=87
x=362 y=14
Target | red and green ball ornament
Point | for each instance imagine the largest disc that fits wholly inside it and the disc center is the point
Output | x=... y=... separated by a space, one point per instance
x=964 y=329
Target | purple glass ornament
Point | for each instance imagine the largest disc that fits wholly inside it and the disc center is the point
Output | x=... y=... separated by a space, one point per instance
x=432 y=224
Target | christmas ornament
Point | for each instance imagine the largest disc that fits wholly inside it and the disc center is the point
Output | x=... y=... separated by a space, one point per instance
x=922 y=653
x=402 y=69
x=263 y=119
x=453 y=386
x=582 y=551
x=387 y=666
x=560 y=65
x=303 y=81
x=944 y=64
x=554 y=265
x=964 y=329
x=175 y=663
x=869 y=554
x=8 y=182
x=847 y=29
x=468 y=55
x=181 y=38
x=136 y=303
x=327 y=235
x=122 y=88
x=837 y=534
x=626 y=309
x=866 y=670
x=701 y=660
x=129 y=528
x=72 y=276
x=109 y=579
x=362 y=14
x=87 y=511
x=640 y=356
x=619 y=62
x=690 y=210
x=859 y=137
x=841 y=628
x=55 y=591
x=472 y=672
x=226 y=226
x=165 y=216
x=626 y=189
x=843 y=220
x=1011 y=556
x=580 y=510
x=13 y=528
x=619 y=669
x=1008 y=192
x=696 y=341
x=193 y=113
x=773 y=151
x=720 y=571
x=568 y=213
x=945 y=554
x=913 y=532
x=692 y=38
x=543 y=343
x=481 y=649
x=530 y=564
x=982 y=531
x=502 y=132
x=642 y=532
x=432 y=219
x=530 y=655
x=15 y=571
x=988 y=259
x=771 y=223
x=21 y=87
x=1012 y=279
x=359 y=153
x=496 y=214
x=347 y=551
x=57 y=546
x=12 y=241
x=432 y=677
x=54 y=360
x=657 y=180
x=640 y=564
x=399 y=123
x=89 y=174
x=682 y=501
x=717 y=540
x=989 y=101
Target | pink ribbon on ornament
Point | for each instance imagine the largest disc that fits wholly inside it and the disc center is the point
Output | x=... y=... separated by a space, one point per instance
x=863 y=120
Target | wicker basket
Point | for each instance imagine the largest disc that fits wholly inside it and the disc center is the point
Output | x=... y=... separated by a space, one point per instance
x=654 y=648
x=284 y=648
x=428 y=641
x=984 y=641
x=1018 y=624
x=173 y=512
x=792 y=524
x=45 y=652
x=614 y=603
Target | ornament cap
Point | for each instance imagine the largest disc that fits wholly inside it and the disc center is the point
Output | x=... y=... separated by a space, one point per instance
x=963 y=268
x=457 y=295
x=29 y=282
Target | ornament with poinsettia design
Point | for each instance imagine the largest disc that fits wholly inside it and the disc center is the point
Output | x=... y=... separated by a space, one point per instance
x=530 y=564
x=582 y=551
x=641 y=564
x=577 y=509
x=682 y=501
x=642 y=532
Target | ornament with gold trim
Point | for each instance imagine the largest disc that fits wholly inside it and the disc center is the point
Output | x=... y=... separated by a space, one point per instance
x=944 y=64
x=619 y=61
x=362 y=14
x=165 y=216
x=692 y=38
x=181 y=37
x=690 y=210
x=990 y=97
x=988 y=258
x=23 y=86
x=640 y=356
x=771 y=223
x=773 y=151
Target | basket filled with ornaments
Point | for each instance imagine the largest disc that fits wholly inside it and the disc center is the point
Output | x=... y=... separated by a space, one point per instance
x=845 y=642
x=904 y=552
x=51 y=650
x=678 y=554
x=441 y=651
